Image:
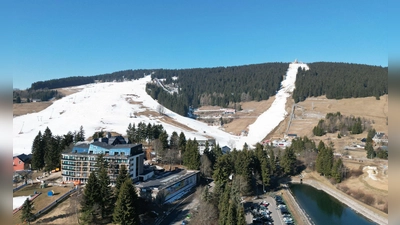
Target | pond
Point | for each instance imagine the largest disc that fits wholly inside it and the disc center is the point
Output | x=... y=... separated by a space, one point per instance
x=325 y=209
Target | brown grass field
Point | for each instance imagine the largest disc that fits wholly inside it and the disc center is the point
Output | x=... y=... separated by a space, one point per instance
x=42 y=200
x=33 y=107
x=248 y=115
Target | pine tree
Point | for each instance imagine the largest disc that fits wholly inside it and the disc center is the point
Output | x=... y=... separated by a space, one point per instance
x=174 y=141
x=222 y=169
x=131 y=133
x=80 y=135
x=328 y=161
x=122 y=176
x=232 y=214
x=126 y=208
x=26 y=212
x=223 y=206
x=91 y=196
x=182 y=142
x=105 y=191
x=371 y=153
x=241 y=216
x=288 y=161
x=164 y=139
x=38 y=152
x=150 y=133
x=265 y=173
x=272 y=164
x=191 y=158
x=337 y=170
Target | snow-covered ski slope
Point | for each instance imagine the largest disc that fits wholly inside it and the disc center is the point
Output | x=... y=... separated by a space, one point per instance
x=105 y=106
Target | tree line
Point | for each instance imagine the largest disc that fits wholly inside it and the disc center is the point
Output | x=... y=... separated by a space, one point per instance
x=344 y=124
x=20 y=96
x=47 y=148
x=220 y=86
x=82 y=80
x=340 y=80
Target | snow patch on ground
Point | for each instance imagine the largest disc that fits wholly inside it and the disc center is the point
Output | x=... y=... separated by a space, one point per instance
x=372 y=172
x=19 y=201
x=271 y=118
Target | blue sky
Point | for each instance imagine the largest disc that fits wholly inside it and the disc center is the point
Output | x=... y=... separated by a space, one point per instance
x=44 y=40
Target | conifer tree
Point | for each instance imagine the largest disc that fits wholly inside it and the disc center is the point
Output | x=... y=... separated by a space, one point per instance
x=80 y=136
x=26 y=211
x=104 y=189
x=265 y=173
x=164 y=139
x=337 y=170
x=122 y=176
x=38 y=152
x=222 y=169
x=223 y=206
x=272 y=164
x=174 y=141
x=126 y=208
x=241 y=216
x=191 y=158
x=288 y=161
x=182 y=142
x=89 y=203
x=232 y=216
x=150 y=133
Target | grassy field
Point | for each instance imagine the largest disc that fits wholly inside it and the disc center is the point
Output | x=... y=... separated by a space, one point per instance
x=42 y=200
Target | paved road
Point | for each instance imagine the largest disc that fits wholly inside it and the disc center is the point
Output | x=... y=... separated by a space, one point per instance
x=180 y=212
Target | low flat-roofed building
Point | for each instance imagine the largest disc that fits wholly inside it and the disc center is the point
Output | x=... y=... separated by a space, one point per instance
x=172 y=183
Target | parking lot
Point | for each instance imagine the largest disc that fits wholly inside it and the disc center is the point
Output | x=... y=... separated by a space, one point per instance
x=267 y=210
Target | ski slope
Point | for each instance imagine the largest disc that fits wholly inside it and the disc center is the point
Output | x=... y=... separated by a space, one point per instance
x=105 y=106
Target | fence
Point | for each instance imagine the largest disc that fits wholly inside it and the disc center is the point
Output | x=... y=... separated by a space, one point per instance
x=47 y=208
x=19 y=187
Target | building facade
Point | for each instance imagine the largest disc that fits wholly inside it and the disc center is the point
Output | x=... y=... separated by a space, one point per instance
x=203 y=143
x=172 y=184
x=22 y=162
x=77 y=165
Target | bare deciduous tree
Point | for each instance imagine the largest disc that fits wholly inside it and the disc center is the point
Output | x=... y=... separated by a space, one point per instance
x=205 y=166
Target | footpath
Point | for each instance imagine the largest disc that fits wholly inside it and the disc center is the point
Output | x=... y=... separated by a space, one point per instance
x=352 y=203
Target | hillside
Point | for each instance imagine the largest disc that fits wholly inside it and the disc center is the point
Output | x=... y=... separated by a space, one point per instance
x=341 y=80
x=112 y=106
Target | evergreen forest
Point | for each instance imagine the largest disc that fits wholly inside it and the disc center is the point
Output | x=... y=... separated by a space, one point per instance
x=228 y=86
x=340 y=80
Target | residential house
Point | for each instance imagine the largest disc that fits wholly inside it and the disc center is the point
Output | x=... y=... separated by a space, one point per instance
x=380 y=138
x=22 y=162
x=225 y=150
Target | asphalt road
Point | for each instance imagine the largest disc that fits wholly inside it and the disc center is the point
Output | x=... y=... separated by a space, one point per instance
x=177 y=215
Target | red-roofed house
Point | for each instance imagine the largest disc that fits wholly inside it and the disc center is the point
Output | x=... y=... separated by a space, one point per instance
x=22 y=162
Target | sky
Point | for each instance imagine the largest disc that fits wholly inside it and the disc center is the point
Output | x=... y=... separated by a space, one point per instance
x=44 y=40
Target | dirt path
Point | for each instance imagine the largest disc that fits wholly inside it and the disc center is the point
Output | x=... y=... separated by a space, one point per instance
x=365 y=210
